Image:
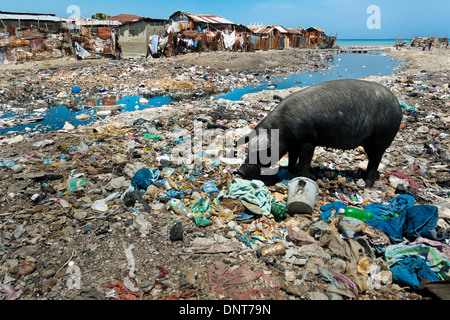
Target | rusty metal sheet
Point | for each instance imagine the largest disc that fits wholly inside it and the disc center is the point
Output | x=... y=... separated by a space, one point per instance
x=18 y=42
x=11 y=30
x=32 y=33
x=36 y=45
x=85 y=32
x=104 y=33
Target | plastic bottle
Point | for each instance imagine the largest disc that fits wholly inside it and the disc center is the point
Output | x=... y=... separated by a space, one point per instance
x=357 y=213
x=274 y=250
x=179 y=208
x=279 y=211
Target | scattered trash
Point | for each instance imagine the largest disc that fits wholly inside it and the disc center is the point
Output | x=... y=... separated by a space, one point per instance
x=273 y=250
x=76 y=89
x=113 y=198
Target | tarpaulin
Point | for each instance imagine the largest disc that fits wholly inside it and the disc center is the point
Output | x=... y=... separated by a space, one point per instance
x=154 y=40
x=80 y=51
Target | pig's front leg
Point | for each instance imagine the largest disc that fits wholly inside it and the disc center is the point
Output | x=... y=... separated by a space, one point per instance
x=304 y=153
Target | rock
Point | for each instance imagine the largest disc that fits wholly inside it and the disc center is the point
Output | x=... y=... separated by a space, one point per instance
x=423 y=129
x=23 y=269
x=68 y=126
x=117 y=183
x=48 y=273
x=17 y=168
x=80 y=215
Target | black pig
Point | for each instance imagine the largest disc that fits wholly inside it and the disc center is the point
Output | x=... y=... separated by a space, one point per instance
x=340 y=114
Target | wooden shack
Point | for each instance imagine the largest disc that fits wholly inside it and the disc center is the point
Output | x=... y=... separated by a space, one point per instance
x=313 y=37
x=203 y=32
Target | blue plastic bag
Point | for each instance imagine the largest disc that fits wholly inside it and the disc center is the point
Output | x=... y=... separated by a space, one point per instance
x=76 y=89
x=144 y=178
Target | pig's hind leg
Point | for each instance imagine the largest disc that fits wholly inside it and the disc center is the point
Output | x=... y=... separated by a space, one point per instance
x=374 y=153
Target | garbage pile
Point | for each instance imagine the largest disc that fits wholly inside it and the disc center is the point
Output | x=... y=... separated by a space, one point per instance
x=34 y=95
x=146 y=205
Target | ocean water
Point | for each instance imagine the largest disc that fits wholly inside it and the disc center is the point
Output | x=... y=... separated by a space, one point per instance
x=345 y=43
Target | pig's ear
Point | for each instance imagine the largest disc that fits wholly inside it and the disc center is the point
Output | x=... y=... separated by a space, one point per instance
x=259 y=142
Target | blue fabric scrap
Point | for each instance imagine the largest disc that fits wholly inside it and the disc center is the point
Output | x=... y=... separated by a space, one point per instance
x=328 y=209
x=411 y=223
x=411 y=270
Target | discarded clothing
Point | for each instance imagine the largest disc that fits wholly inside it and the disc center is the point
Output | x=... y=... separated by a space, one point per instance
x=328 y=209
x=396 y=205
x=411 y=223
x=252 y=191
x=229 y=40
x=436 y=255
x=411 y=270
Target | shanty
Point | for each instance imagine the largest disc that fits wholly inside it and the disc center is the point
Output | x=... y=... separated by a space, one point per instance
x=35 y=37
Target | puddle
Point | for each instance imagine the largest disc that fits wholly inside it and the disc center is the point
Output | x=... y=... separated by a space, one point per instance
x=343 y=66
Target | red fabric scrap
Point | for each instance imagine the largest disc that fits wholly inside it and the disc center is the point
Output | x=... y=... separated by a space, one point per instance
x=162 y=270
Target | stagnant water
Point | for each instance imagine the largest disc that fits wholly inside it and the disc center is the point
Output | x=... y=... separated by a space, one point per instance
x=343 y=66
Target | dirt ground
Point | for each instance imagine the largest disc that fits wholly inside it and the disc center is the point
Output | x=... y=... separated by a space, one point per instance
x=50 y=234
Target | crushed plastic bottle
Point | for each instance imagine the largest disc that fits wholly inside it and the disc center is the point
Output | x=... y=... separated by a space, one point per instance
x=179 y=208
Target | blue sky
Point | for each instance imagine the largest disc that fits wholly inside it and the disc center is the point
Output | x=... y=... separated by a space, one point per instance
x=346 y=18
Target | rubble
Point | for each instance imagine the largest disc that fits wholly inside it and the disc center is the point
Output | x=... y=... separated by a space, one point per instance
x=93 y=202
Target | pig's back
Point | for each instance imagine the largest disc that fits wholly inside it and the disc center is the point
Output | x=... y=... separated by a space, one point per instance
x=338 y=113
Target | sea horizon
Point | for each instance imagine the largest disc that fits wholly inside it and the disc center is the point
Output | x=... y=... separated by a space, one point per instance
x=369 y=42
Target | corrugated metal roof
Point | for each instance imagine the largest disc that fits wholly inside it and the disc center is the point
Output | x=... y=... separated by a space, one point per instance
x=43 y=17
x=262 y=30
x=295 y=31
x=265 y=30
x=281 y=29
x=215 y=19
x=316 y=29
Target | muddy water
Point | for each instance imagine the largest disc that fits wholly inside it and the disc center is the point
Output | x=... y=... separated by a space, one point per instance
x=344 y=66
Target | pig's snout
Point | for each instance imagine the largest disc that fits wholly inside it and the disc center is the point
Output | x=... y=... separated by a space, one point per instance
x=248 y=171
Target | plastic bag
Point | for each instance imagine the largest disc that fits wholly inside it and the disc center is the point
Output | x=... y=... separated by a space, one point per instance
x=145 y=177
